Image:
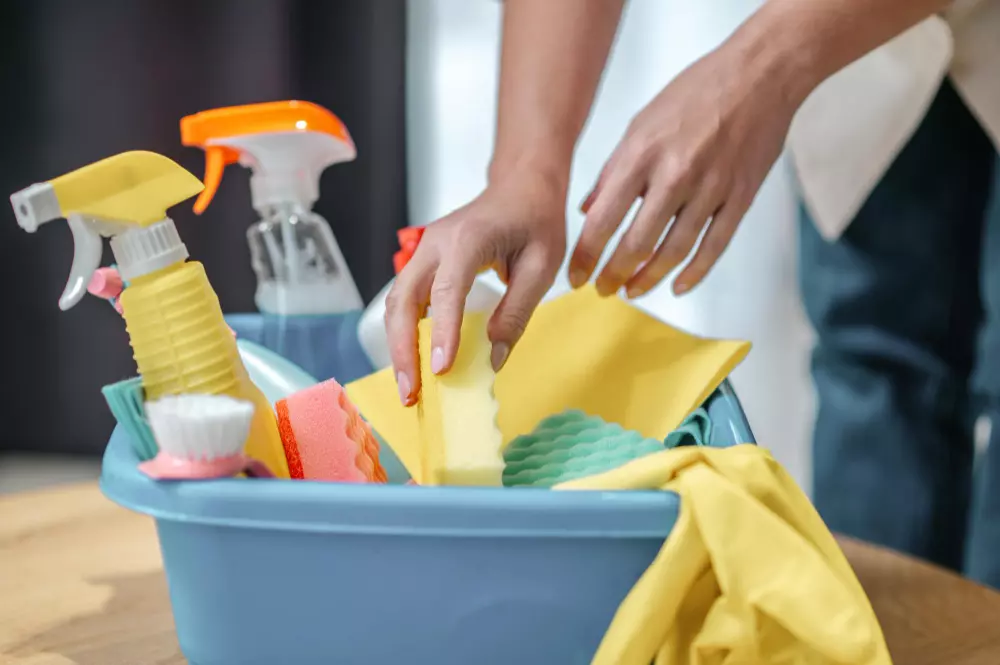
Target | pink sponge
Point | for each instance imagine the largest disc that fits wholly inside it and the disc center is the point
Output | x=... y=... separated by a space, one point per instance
x=326 y=439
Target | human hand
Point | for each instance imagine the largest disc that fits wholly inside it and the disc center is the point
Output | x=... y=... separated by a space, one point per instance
x=517 y=226
x=699 y=151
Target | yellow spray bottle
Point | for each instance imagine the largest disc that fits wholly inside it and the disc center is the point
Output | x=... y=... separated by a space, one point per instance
x=179 y=338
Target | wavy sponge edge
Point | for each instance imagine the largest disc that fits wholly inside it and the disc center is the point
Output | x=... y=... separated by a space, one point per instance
x=460 y=442
x=571 y=445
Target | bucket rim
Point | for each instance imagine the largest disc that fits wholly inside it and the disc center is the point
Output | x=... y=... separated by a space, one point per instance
x=323 y=507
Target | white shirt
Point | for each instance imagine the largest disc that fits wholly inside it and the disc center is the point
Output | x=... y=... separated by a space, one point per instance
x=853 y=126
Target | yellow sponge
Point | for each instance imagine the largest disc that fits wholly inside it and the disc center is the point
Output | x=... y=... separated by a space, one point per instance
x=460 y=441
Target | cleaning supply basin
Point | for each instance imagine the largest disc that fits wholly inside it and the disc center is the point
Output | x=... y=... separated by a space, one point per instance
x=278 y=571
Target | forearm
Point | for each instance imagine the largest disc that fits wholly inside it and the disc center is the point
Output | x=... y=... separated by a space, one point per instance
x=806 y=41
x=552 y=57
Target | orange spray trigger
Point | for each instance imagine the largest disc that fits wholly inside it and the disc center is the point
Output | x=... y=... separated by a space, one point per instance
x=216 y=160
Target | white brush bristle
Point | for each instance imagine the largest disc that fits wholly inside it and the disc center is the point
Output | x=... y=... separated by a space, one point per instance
x=200 y=427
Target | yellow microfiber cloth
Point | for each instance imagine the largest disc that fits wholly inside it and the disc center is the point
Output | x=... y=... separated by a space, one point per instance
x=598 y=355
x=749 y=575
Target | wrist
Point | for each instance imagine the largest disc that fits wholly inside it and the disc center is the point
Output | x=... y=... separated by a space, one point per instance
x=546 y=168
x=782 y=52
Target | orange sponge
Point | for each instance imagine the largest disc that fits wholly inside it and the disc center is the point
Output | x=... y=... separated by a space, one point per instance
x=325 y=437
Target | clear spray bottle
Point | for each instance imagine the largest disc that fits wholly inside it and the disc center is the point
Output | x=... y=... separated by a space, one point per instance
x=286 y=145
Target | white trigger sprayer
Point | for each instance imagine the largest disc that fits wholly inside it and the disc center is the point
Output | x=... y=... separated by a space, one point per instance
x=37 y=205
x=107 y=199
x=286 y=145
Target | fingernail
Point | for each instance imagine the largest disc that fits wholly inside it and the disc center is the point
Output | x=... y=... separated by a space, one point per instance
x=437 y=360
x=577 y=277
x=403 y=382
x=498 y=356
x=680 y=288
x=605 y=289
x=634 y=292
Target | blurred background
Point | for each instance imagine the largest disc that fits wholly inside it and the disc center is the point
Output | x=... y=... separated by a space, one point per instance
x=415 y=84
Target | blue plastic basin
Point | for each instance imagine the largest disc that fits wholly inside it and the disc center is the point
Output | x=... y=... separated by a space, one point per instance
x=280 y=572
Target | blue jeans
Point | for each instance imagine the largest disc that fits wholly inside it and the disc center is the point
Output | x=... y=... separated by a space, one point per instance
x=906 y=306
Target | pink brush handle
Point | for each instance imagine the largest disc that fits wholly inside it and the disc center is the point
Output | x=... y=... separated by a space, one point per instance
x=167 y=467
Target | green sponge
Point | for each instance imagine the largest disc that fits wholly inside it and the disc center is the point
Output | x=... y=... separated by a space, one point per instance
x=571 y=445
x=126 y=399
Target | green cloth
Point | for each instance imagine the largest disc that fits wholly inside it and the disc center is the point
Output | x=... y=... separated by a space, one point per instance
x=696 y=430
x=127 y=404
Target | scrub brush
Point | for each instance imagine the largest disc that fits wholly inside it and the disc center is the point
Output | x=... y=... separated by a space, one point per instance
x=125 y=399
x=571 y=445
x=201 y=436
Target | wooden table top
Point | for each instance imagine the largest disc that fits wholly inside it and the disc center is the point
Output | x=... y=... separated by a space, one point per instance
x=81 y=583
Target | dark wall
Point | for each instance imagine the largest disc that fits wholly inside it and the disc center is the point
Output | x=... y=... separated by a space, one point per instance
x=85 y=80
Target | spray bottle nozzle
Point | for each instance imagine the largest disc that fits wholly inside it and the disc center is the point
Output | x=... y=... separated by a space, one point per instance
x=286 y=144
x=106 y=199
x=409 y=237
x=35 y=205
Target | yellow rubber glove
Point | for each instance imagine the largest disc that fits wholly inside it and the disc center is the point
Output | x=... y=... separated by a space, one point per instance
x=749 y=574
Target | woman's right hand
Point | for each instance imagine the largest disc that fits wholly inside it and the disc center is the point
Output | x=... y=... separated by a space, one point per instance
x=517 y=226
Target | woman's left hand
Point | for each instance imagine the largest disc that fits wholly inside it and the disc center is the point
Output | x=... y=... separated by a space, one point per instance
x=696 y=154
